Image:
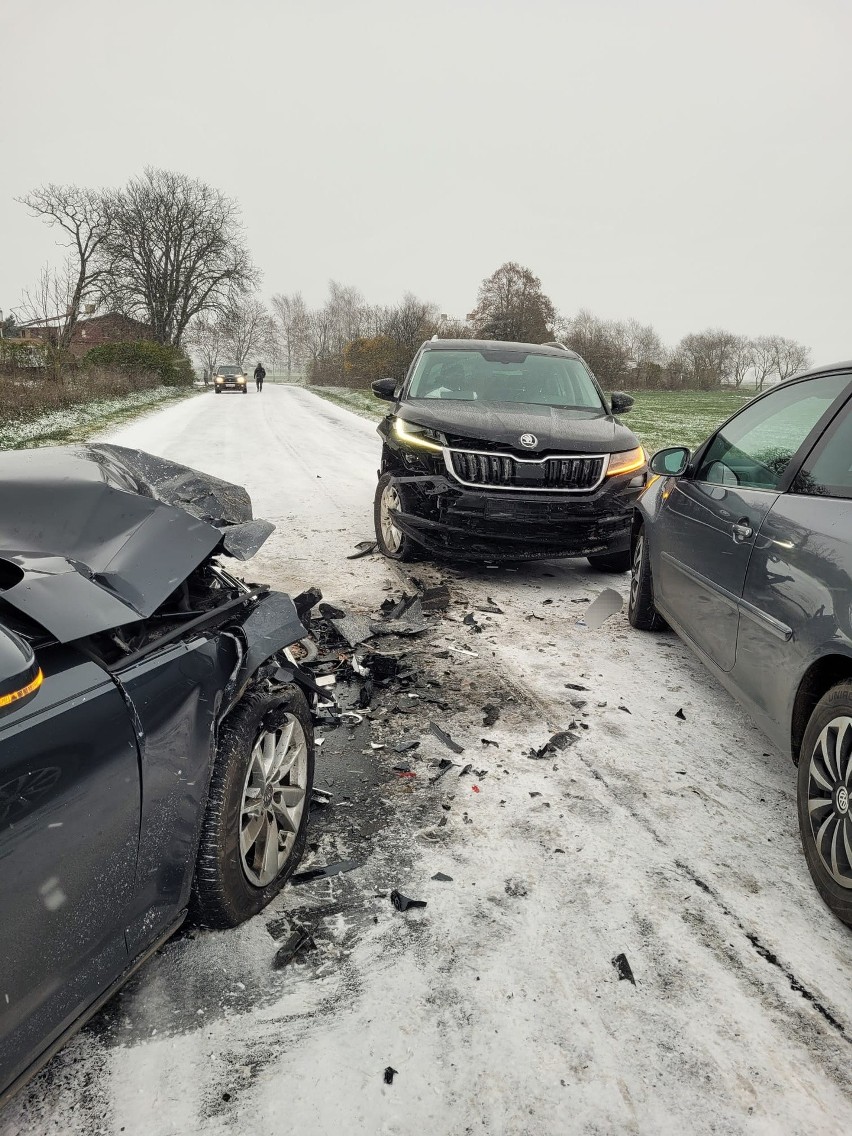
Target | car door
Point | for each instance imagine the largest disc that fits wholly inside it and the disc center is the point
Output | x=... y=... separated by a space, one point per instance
x=69 y=830
x=714 y=515
x=798 y=586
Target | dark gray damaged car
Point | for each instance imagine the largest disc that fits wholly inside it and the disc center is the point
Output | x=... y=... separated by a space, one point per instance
x=745 y=549
x=156 y=738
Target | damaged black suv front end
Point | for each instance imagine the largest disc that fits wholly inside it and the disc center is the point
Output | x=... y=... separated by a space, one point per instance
x=505 y=451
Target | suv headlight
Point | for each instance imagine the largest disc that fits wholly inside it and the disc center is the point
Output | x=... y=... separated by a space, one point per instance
x=629 y=461
x=219 y=379
x=421 y=437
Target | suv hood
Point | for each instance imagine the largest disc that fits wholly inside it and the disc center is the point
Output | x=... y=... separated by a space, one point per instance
x=556 y=428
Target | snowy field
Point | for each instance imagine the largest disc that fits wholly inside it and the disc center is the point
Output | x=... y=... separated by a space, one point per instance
x=669 y=839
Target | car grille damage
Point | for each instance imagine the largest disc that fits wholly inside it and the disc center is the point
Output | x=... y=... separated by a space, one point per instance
x=571 y=474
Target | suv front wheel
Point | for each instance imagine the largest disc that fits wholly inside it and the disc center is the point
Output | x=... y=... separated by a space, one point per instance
x=391 y=499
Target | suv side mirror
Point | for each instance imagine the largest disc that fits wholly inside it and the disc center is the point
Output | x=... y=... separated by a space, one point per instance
x=621 y=402
x=671 y=462
x=20 y=674
x=384 y=388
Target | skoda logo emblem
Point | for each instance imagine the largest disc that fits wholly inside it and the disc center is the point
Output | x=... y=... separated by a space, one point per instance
x=529 y=441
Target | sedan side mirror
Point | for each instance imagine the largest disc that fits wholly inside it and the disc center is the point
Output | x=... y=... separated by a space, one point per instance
x=671 y=462
x=620 y=402
x=20 y=674
x=384 y=388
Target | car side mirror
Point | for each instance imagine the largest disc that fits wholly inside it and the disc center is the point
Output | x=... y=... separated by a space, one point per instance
x=384 y=388
x=671 y=462
x=621 y=402
x=20 y=674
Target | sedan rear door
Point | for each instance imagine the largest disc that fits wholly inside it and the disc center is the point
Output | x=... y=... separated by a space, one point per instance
x=713 y=516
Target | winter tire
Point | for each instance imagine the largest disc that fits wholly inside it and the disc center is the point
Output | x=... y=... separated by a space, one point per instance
x=640 y=607
x=611 y=561
x=255 y=825
x=823 y=791
x=392 y=541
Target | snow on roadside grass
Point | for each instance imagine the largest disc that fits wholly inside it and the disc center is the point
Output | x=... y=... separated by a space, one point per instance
x=75 y=422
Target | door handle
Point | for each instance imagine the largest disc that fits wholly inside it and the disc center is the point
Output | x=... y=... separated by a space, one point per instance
x=741 y=531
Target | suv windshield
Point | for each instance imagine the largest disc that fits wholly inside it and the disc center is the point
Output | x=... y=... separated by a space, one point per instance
x=229 y=371
x=503 y=374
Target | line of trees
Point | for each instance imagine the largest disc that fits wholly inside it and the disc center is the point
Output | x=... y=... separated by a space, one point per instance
x=169 y=250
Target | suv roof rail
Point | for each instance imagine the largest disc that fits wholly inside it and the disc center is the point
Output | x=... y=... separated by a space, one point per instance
x=555 y=343
x=435 y=336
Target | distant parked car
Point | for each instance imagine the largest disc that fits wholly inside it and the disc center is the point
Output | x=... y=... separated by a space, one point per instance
x=511 y=451
x=156 y=741
x=230 y=379
x=745 y=549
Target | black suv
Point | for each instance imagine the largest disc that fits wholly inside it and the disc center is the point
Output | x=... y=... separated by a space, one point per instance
x=505 y=451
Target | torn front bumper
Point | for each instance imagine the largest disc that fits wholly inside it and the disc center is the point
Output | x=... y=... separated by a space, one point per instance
x=478 y=524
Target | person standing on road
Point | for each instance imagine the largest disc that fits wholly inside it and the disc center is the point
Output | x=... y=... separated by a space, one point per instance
x=259 y=376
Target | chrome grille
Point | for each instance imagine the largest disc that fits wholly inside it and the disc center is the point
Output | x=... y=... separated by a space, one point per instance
x=502 y=471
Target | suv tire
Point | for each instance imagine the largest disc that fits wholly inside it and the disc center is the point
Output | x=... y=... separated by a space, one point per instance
x=392 y=542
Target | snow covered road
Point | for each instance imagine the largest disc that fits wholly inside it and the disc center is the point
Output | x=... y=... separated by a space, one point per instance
x=670 y=839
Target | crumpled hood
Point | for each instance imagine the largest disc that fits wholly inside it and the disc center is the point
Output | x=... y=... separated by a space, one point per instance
x=557 y=429
x=94 y=537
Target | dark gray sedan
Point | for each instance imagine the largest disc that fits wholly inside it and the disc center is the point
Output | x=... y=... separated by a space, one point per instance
x=745 y=549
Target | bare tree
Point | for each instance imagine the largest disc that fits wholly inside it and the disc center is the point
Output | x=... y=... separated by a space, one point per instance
x=789 y=356
x=604 y=344
x=247 y=329
x=175 y=249
x=291 y=316
x=763 y=359
x=511 y=305
x=743 y=358
x=85 y=216
x=709 y=356
x=204 y=337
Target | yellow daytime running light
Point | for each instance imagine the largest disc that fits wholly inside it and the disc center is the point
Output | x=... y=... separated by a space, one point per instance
x=414 y=439
x=24 y=692
x=628 y=462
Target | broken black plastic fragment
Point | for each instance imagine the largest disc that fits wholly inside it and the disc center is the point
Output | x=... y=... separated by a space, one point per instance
x=405 y=747
x=490 y=607
x=680 y=714
x=444 y=737
x=490 y=714
x=403 y=902
x=623 y=969
x=326 y=870
x=575 y=686
x=390 y=1073
x=362 y=548
x=443 y=877
x=435 y=599
x=301 y=939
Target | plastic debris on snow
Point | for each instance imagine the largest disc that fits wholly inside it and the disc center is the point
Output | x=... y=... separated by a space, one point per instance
x=362 y=548
x=389 y=1074
x=403 y=902
x=325 y=871
x=301 y=939
x=607 y=604
x=623 y=968
x=445 y=738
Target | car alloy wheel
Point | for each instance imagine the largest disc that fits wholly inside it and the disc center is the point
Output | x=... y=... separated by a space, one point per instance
x=390 y=504
x=273 y=800
x=635 y=570
x=828 y=802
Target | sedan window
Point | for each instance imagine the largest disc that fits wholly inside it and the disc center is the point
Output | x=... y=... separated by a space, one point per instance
x=756 y=447
x=828 y=470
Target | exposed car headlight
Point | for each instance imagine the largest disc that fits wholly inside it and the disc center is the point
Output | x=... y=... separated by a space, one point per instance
x=241 y=378
x=218 y=379
x=418 y=436
x=629 y=461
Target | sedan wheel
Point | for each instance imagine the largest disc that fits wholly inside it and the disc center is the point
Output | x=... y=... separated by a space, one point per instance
x=273 y=800
x=255 y=826
x=640 y=607
x=390 y=504
x=824 y=792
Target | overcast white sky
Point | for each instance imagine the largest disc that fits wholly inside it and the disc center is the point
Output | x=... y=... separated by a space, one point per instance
x=686 y=162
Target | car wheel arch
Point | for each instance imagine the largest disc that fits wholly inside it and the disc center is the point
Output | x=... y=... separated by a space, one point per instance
x=818 y=679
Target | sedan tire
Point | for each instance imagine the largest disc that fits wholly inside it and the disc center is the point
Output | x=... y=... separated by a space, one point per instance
x=640 y=608
x=825 y=799
x=255 y=826
x=392 y=541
